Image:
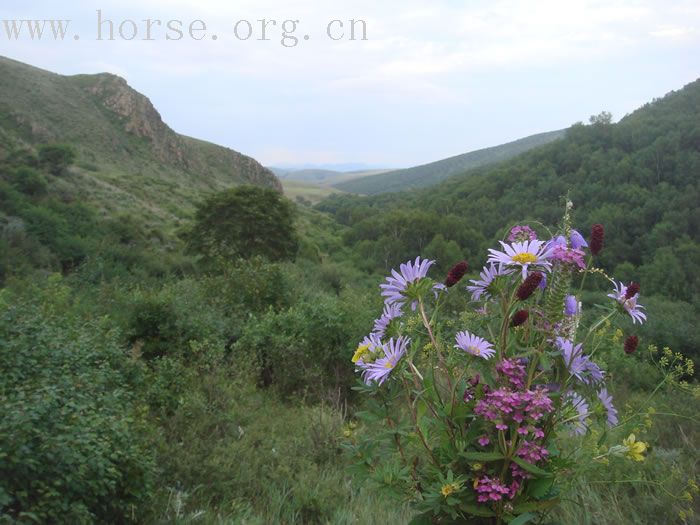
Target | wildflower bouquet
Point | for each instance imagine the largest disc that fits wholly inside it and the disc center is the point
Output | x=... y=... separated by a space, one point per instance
x=473 y=414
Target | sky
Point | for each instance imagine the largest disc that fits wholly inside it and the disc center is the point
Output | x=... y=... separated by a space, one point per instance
x=431 y=80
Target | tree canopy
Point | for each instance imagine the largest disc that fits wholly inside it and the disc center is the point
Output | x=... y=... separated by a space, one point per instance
x=245 y=222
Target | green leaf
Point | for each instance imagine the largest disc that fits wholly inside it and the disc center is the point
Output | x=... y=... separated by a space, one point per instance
x=367 y=416
x=603 y=437
x=523 y=518
x=537 y=506
x=538 y=488
x=482 y=456
x=477 y=510
x=422 y=519
x=532 y=469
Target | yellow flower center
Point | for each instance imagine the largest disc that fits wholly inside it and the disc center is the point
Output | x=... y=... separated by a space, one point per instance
x=524 y=258
x=388 y=364
x=449 y=489
x=475 y=350
x=360 y=352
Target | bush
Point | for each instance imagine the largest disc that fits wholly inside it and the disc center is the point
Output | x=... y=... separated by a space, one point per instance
x=70 y=437
x=303 y=349
x=56 y=158
x=28 y=181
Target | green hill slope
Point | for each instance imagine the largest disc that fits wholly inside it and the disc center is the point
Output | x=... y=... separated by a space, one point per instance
x=128 y=158
x=435 y=172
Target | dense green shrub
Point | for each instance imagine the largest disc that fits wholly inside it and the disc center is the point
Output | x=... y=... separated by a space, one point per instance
x=304 y=348
x=56 y=157
x=28 y=180
x=72 y=447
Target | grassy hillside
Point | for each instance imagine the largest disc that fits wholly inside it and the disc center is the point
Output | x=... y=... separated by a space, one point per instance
x=435 y=172
x=128 y=158
x=306 y=193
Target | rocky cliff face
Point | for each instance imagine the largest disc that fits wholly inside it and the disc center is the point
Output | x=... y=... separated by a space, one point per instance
x=139 y=117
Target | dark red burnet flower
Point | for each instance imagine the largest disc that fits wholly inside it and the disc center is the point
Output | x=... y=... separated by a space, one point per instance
x=529 y=285
x=631 y=344
x=597 y=238
x=456 y=273
x=519 y=317
x=632 y=290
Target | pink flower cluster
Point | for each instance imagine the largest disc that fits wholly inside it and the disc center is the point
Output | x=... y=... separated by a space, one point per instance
x=567 y=255
x=532 y=452
x=522 y=233
x=491 y=489
x=505 y=406
x=512 y=371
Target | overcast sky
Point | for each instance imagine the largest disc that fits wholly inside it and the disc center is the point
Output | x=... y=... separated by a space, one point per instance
x=433 y=79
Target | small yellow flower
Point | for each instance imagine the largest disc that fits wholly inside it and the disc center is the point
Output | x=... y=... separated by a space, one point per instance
x=449 y=488
x=635 y=449
x=360 y=352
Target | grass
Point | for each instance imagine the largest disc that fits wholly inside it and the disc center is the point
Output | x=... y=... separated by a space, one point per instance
x=304 y=192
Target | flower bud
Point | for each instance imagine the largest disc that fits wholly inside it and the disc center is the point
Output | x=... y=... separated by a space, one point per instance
x=456 y=273
x=571 y=305
x=519 y=317
x=632 y=290
x=529 y=285
x=597 y=238
x=631 y=344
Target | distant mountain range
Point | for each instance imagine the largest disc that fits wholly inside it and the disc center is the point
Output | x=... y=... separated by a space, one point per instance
x=435 y=172
x=128 y=158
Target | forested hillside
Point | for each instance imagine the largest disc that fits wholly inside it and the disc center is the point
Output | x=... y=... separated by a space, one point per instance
x=639 y=177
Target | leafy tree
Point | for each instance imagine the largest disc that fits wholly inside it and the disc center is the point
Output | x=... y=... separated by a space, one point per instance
x=245 y=222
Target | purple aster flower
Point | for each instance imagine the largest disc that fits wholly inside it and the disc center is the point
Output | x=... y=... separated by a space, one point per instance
x=628 y=303
x=579 y=426
x=606 y=400
x=571 y=305
x=578 y=364
x=522 y=233
x=523 y=254
x=474 y=345
x=577 y=240
x=391 y=312
x=394 y=290
x=488 y=275
x=437 y=288
x=379 y=370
